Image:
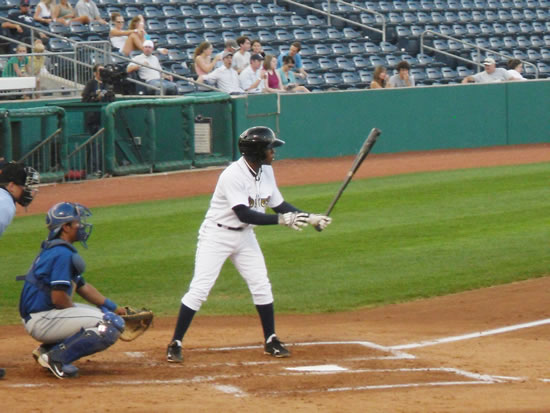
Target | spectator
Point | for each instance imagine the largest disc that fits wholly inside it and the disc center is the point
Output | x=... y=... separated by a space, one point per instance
x=225 y=77
x=117 y=34
x=490 y=74
x=137 y=36
x=273 y=83
x=252 y=77
x=241 y=58
x=287 y=76
x=202 y=59
x=18 y=66
x=230 y=46
x=294 y=52
x=64 y=13
x=43 y=13
x=88 y=11
x=38 y=63
x=23 y=16
x=256 y=48
x=379 y=78
x=515 y=69
x=402 y=78
x=148 y=71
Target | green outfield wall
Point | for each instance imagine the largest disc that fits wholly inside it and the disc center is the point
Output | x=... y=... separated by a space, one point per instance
x=423 y=118
x=313 y=125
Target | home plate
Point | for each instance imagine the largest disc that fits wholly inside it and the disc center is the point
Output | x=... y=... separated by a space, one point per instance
x=322 y=367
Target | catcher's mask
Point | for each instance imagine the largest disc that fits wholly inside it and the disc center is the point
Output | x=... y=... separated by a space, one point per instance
x=65 y=213
x=24 y=176
x=254 y=141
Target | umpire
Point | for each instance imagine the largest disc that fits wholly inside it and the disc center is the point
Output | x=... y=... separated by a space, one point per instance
x=17 y=184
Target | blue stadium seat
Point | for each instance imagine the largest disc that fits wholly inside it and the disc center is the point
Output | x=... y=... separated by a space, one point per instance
x=350 y=33
x=269 y=50
x=545 y=55
x=486 y=29
x=326 y=63
x=360 y=62
x=174 y=40
x=283 y=35
x=222 y=10
x=307 y=50
x=465 y=16
x=491 y=16
x=413 y=5
x=185 y=87
x=392 y=60
x=211 y=24
x=546 y=40
x=56 y=44
x=395 y=18
x=372 y=48
x=152 y=12
x=523 y=42
x=259 y=9
x=318 y=34
x=332 y=79
x=174 y=25
x=544 y=69
x=241 y=9
x=423 y=17
x=463 y=71
x=276 y=9
x=314 y=20
x=314 y=80
x=504 y=16
x=155 y=25
x=367 y=19
x=512 y=28
x=517 y=15
x=171 y=11
x=205 y=10
x=176 y=55
x=536 y=41
x=187 y=10
x=281 y=21
x=344 y=63
x=387 y=47
x=266 y=36
x=350 y=78
x=500 y=29
x=385 y=6
x=246 y=22
x=376 y=61
x=78 y=28
x=356 y=49
x=58 y=28
x=301 y=35
x=310 y=65
x=339 y=48
x=496 y=43
x=264 y=21
x=365 y=76
x=322 y=49
x=533 y=55
x=132 y=11
x=192 y=39
x=416 y=30
x=228 y=23
x=538 y=27
x=525 y=28
x=214 y=38
x=459 y=30
x=482 y=42
x=509 y=42
x=229 y=35
x=334 y=34
x=437 y=17
x=298 y=21
x=410 y=18
x=283 y=48
x=446 y=30
x=419 y=74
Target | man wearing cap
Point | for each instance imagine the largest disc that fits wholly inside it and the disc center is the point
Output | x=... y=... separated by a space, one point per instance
x=252 y=77
x=88 y=12
x=23 y=16
x=230 y=46
x=225 y=77
x=148 y=70
x=491 y=73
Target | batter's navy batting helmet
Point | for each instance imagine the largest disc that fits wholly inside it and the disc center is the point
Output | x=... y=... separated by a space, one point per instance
x=65 y=213
x=21 y=175
x=254 y=141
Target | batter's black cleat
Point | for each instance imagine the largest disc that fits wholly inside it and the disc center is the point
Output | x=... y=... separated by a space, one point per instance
x=59 y=370
x=275 y=348
x=173 y=353
x=2 y=373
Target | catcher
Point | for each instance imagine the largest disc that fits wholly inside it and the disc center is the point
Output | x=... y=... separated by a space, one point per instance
x=67 y=331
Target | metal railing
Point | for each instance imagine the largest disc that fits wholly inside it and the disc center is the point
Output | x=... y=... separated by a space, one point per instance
x=87 y=160
x=330 y=15
x=46 y=156
x=468 y=45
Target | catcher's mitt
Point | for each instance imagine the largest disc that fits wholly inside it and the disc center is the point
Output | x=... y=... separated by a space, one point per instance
x=137 y=322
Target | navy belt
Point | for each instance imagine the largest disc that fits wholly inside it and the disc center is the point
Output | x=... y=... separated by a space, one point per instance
x=230 y=228
x=27 y=318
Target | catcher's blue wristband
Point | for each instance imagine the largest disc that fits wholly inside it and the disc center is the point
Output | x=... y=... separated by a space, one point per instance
x=109 y=305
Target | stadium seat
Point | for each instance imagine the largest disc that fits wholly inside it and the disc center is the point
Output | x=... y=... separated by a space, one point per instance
x=356 y=49
x=259 y=9
x=78 y=28
x=491 y=16
x=523 y=42
x=350 y=78
x=326 y=63
x=229 y=35
x=297 y=21
x=301 y=35
x=240 y=9
x=319 y=34
x=185 y=87
x=214 y=38
x=210 y=23
x=391 y=60
x=310 y=65
x=512 y=28
x=171 y=11
x=314 y=80
x=264 y=21
x=176 y=55
x=155 y=25
x=132 y=11
x=276 y=9
x=344 y=64
x=465 y=16
x=58 y=28
x=413 y=5
x=246 y=22
x=525 y=28
x=174 y=25
x=204 y=10
x=313 y=20
x=334 y=34
x=223 y=10
x=533 y=55
x=187 y=10
x=283 y=36
x=367 y=19
x=281 y=21
x=307 y=50
x=192 y=39
x=372 y=48
x=339 y=49
x=418 y=74
x=228 y=23
x=266 y=36
x=495 y=43
x=376 y=61
x=269 y=50
x=332 y=79
x=56 y=44
x=360 y=62
x=151 y=12
x=544 y=69
x=472 y=29
x=365 y=76
x=350 y=33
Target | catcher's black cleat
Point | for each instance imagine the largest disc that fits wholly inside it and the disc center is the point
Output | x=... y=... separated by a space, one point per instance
x=275 y=348
x=38 y=351
x=173 y=353
x=2 y=373
x=59 y=370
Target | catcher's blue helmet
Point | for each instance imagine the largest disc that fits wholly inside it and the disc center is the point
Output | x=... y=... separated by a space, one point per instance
x=67 y=212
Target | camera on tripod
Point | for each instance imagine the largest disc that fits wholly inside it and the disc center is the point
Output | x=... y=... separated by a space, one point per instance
x=113 y=78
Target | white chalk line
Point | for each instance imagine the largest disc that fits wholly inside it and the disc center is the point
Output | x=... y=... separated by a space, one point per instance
x=469 y=336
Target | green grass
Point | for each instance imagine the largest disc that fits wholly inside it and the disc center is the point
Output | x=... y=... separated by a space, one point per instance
x=393 y=239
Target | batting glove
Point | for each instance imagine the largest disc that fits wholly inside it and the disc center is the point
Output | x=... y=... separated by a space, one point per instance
x=320 y=221
x=294 y=220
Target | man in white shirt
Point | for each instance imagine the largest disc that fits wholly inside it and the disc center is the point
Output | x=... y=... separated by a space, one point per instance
x=491 y=74
x=241 y=58
x=225 y=77
x=148 y=70
x=252 y=77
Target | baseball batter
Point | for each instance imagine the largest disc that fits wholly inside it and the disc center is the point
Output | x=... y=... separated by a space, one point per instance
x=67 y=330
x=17 y=184
x=244 y=190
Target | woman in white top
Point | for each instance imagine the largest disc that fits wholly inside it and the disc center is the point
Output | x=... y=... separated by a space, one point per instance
x=515 y=69
x=117 y=34
x=43 y=13
x=203 y=61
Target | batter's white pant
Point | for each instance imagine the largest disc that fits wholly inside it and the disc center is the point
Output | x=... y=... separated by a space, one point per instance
x=53 y=326
x=217 y=244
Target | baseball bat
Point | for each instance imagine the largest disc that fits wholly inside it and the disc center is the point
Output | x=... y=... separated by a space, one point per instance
x=361 y=156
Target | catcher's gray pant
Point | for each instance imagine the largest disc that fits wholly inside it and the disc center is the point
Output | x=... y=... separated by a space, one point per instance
x=53 y=326
x=214 y=247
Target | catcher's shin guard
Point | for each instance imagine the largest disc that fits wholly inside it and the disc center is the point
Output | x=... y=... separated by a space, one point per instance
x=89 y=341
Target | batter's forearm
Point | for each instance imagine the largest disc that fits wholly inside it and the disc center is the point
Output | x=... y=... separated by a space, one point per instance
x=249 y=216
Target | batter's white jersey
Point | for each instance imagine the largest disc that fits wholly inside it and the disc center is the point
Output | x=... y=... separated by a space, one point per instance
x=7 y=209
x=237 y=186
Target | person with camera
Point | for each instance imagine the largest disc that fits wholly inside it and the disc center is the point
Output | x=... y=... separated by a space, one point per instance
x=148 y=67
x=288 y=78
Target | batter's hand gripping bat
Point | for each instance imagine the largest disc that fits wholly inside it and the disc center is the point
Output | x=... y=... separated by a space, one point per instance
x=363 y=152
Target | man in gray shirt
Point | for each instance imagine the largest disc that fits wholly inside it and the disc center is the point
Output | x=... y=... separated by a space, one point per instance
x=402 y=78
x=491 y=74
x=87 y=8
